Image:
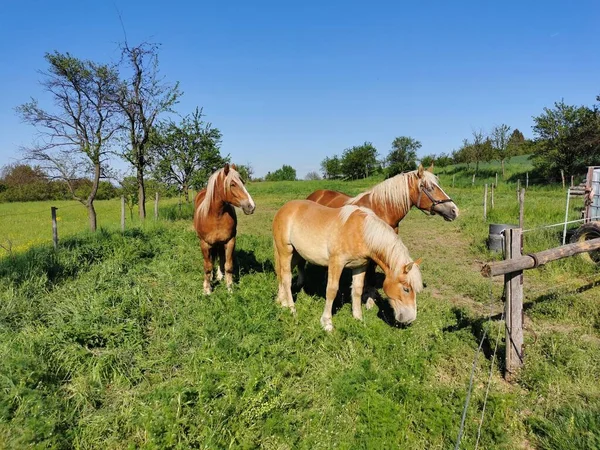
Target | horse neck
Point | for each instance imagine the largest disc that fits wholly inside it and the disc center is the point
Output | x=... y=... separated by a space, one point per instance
x=381 y=261
x=415 y=191
x=217 y=203
x=391 y=212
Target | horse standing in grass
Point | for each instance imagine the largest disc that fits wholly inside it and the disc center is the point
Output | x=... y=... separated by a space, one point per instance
x=215 y=221
x=393 y=198
x=343 y=237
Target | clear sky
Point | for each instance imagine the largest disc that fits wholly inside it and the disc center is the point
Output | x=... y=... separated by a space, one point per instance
x=292 y=82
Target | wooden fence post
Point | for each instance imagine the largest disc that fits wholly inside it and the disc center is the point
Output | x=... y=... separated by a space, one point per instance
x=513 y=306
x=571 y=180
x=485 y=202
x=527 y=180
x=521 y=208
x=518 y=188
x=562 y=175
x=54 y=227
x=122 y=213
x=156 y=207
x=492 y=204
x=473 y=181
x=496 y=178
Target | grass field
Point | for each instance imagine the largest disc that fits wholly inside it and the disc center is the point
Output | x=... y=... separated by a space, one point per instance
x=109 y=342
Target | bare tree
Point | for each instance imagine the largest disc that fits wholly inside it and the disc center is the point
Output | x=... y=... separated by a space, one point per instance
x=141 y=99
x=74 y=140
x=500 y=138
x=480 y=148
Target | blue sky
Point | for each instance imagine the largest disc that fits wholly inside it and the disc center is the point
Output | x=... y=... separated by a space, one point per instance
x=293 y=82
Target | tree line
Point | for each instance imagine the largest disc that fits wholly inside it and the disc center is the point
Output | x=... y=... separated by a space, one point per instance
x=566 y=140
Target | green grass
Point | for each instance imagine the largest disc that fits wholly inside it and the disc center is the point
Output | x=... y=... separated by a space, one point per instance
x=110 y=343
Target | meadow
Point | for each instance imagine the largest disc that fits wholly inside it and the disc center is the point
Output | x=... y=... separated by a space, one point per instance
x=110 y=343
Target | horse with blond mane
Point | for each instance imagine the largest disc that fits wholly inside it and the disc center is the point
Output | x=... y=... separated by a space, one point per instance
x=215 y=221
x=393 y=198
x=338 y=238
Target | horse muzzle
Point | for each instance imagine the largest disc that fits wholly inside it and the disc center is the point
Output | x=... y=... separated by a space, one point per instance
x=449 y=211
x=248 y=207
x=405 y=314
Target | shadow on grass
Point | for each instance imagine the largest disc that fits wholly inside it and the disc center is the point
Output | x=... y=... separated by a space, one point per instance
x=246 y=262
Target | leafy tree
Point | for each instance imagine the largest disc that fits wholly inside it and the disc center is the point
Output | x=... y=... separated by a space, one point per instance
x=481 y=148
x=500 y=143
x=428 y=160
x=285 y=173
x=568 y=138
x=141 y=99
x=22 y=182
x=403 y=156
x=310 y=176
x=359 y=161
x=186 y=154
x=331 y=167
x=75 y=138
x=246 y=171
x=443 y=160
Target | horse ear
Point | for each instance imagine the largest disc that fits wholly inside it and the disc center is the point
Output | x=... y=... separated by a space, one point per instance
x=419 y=261
x=226 y=168
x=408 y=267
x=234 y=167
x=420 y=171
x=430 y=168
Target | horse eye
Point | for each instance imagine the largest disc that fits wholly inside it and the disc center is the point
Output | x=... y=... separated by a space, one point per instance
x=407 y=290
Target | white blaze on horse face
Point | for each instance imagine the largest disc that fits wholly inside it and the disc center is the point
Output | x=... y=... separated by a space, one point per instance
x=405 y=314
x=248 y=205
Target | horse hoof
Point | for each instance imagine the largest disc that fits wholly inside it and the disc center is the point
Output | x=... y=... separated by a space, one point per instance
x=370 y=303
x=327 y=325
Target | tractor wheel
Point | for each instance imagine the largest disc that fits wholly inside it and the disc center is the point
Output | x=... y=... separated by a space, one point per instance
x=585 y=232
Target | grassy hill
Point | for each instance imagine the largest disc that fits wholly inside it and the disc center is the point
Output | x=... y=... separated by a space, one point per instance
x=110 y=343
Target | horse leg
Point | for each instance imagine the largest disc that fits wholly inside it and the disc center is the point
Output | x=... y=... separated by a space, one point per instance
x=208 y=266
x=370 y=281
x=283 y=267
x=333 y=282
x=221 y=267
x=358 y=281
x=299 y=262
x=228 y=262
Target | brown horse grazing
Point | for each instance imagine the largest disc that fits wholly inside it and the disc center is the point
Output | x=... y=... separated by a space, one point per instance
x=392 y=199
x=215 y=221
x=343 y=237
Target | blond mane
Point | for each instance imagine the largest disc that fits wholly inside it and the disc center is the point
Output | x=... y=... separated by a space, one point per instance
x=382 y=239
x=211 y=188
x=394 y=190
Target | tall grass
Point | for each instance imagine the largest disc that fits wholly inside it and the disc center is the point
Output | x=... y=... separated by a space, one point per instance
x=109 y=342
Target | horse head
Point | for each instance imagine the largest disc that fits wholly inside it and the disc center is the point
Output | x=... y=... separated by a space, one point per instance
x=235 y=191
x=401 y=289
x=432 y=198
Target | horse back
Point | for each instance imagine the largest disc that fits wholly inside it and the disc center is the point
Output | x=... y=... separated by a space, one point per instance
x=327 y=197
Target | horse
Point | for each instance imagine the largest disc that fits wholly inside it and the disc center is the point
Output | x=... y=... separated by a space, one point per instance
x=215 y=221
x=350 y=237
x=393 y=198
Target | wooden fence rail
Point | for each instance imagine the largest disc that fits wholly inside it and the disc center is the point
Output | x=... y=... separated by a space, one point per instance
x=512 y=268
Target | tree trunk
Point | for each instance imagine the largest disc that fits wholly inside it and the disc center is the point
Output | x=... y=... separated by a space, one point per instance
x=92 y=197
x=92 y=215
x=187 y=194
x=141 y=194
